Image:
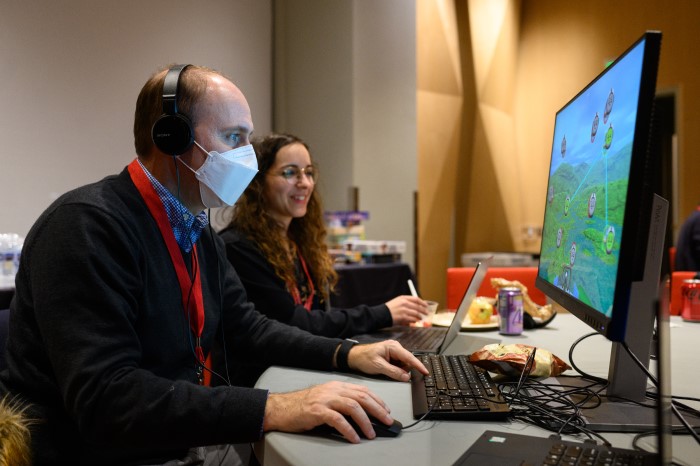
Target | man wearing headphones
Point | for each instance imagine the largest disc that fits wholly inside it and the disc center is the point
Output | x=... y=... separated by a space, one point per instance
x=122 y=292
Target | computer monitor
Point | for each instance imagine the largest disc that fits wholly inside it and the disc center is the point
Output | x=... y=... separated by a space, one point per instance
x=603 y=231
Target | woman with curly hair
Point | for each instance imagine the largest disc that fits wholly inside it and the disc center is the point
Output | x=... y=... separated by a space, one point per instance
x=276 y=242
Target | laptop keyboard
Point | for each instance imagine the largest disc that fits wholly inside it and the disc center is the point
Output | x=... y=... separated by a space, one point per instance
x=421 y=338
x=510 y=448
x=455 y=389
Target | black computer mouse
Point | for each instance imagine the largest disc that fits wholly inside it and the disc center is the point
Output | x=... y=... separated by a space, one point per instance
x=380 y=429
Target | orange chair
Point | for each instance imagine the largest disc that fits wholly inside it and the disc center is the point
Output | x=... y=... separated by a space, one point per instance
x=676 y=305
x=458 y=279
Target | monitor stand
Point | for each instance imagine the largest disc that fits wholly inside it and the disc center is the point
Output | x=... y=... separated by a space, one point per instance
x=616 y=415
x=626 y=380
x=612 y=415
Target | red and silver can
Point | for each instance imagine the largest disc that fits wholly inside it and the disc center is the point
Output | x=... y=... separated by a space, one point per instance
x=510 y=310
x=690 y=290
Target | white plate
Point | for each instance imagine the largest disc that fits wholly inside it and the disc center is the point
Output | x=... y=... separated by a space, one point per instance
x=444 y=319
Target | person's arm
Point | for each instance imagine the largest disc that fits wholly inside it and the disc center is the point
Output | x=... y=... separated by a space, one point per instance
x=270 y=296
x=329 y=403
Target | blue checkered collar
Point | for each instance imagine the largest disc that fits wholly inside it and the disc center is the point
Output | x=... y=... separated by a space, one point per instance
x=186 y=226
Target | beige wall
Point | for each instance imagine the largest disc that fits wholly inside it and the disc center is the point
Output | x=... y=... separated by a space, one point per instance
x=345 y=83
x=71 y=72
x=521 y=62
x=564 y=45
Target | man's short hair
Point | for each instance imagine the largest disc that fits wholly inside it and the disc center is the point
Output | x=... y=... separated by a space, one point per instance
x=149 y=105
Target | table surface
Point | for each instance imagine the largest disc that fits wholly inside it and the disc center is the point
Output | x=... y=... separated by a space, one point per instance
x=443 y=442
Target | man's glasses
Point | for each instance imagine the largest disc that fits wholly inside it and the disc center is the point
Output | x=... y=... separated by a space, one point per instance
x=293 y=174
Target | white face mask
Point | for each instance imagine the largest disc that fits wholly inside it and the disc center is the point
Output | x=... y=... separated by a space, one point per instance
x=224 y=177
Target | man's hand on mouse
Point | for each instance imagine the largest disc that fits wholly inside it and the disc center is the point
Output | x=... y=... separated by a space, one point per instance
x=382 y=358
x=328 y=403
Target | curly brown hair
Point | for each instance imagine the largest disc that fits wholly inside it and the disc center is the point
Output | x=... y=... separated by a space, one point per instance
x=307 y=233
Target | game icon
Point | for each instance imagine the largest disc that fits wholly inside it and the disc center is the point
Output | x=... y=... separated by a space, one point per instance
x=591 y=205
x=609 y=239
x=572 y=254
x=567 y=204
x=550 y=195
x=564 y=281
x=594 y=129
x=560 y=233
x=608 y=106
x=563 y=147
x=608 y=137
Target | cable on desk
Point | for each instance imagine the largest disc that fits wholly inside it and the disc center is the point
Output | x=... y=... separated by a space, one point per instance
x=430 y=409
x=549 y=406
x=576 y=368
x=653 y=379
x=676 y=406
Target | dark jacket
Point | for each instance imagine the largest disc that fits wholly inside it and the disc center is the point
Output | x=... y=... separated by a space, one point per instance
x=100 y=347
x=688 y=245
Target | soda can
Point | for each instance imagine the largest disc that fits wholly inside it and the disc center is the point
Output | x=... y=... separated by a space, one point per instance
x=690 y=291
x=510 y=310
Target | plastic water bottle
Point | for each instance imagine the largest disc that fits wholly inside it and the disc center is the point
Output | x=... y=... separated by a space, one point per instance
x=10 y=251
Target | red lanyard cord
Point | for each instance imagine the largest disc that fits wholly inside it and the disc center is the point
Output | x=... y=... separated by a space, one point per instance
x=190 y=286
x=294 y=289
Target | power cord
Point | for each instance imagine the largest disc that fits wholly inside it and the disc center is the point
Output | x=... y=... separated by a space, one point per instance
x=653 y=379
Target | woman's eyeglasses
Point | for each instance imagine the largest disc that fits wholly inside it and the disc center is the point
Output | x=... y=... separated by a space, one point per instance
x=293 y=174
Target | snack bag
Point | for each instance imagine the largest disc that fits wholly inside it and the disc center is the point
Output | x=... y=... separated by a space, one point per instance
x=511 y=359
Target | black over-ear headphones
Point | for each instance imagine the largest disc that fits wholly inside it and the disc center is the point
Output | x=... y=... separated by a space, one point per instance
x=172 y=133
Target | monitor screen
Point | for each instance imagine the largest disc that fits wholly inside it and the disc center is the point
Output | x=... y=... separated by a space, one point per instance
x=603 y=230
x=592 y=236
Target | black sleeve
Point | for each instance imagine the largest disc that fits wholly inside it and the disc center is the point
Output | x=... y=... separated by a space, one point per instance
x=688 y=245
x=270 y=296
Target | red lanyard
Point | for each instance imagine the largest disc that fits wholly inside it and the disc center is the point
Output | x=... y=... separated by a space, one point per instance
x=295 y=290
x=194 y=308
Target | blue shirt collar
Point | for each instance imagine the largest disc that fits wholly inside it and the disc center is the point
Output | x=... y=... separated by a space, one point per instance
x=186 y=226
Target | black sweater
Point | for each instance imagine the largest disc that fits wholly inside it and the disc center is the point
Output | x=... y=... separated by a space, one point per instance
x=100 y=347
x=269 y=294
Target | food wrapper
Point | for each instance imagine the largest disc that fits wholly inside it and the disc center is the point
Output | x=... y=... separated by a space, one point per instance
x=511 y=359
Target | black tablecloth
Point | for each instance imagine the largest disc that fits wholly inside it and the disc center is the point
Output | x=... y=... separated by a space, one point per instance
x=370 y=284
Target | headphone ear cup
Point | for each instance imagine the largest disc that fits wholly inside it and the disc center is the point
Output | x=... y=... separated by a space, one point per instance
x=173 y=134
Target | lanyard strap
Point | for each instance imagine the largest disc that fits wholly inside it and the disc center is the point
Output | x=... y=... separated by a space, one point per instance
x=189 y=287
x=295 y=289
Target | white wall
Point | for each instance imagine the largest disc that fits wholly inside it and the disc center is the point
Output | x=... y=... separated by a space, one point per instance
x=71 y=71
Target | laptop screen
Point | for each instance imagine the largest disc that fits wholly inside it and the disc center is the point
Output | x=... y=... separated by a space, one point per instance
x=467 y=299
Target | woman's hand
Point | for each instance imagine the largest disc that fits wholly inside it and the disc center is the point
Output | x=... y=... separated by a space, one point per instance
x=407 y=309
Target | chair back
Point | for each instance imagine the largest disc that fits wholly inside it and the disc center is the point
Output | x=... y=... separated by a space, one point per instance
x=458 y=279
